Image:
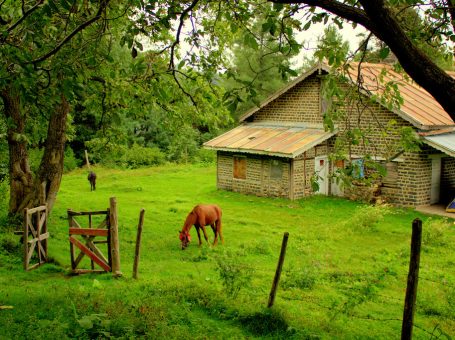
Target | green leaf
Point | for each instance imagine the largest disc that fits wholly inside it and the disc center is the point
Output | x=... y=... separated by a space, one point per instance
x=384 y=52
x=278 y=7
x=250 y=41
x=86 y=322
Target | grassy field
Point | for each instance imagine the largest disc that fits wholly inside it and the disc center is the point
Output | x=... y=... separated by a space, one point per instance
x=344 y=274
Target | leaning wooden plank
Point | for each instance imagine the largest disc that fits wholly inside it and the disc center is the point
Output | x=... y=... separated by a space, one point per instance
x=88 y=232
x=86 y=271
x=41 y=222
x=102 y=224
x=95 y=250
x=90 y=254
x=30 y=251
x=78 y=258
x=34 y=266
x=75 y=224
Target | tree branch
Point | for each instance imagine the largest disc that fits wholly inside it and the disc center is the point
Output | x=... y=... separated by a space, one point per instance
x=179 y=30
x=25 y=15
x=451 y=7
x=378 y=18
x=350 y=13
x=78 y=29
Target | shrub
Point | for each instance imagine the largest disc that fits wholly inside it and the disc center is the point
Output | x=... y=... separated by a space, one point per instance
x=138 y=156
x=234 y=275
x=205 y=156
x=367 y=217
x=112 y=155
x=69 y=162
x=434 y=232
x=300 y=278
x=9 y=244
x=4 y=199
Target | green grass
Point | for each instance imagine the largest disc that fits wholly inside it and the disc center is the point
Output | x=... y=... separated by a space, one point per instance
x=344 y=274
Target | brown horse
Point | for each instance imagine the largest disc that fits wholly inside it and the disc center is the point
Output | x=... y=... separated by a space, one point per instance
x=92 y=179
x=201 y=216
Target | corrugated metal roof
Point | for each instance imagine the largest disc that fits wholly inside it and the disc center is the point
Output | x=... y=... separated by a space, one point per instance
x=444 y=142
x=282 y=141
x=419 y=107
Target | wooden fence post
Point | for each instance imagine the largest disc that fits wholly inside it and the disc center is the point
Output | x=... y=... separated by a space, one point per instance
x=86 y=159
x=115 y=248
x=25 y=237
x=138 y=243
x=276 y=280
x=413 y=279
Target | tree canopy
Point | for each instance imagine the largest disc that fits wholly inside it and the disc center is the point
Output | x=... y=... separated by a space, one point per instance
x=154 y=73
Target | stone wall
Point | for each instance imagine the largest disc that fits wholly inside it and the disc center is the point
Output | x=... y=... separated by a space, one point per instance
x=258 y=180
x=448 y=180
x=299 y=104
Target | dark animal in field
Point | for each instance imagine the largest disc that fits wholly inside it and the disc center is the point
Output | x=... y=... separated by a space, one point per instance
x=201 y=216
x=92 y=179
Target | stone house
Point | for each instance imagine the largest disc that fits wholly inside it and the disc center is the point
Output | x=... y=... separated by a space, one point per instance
x=280 y=146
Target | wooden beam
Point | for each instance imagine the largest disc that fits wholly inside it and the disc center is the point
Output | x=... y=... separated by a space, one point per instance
x=88 y=232
x=90 y=254
x=85 y=213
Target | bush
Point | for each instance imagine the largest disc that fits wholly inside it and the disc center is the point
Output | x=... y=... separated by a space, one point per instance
x=434 y=232
x=4 y=199
x=205 y=156
x=300 y=278
x=367 y=217
x=234 y=275
x=138 y=156
x=69 y=162
x=112 y=155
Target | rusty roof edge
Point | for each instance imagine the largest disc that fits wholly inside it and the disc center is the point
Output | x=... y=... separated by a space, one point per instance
x=442 y=131
x=275 y=95
x=272 y=123
x=255 y=152
x=292 y=155
x=321 y=139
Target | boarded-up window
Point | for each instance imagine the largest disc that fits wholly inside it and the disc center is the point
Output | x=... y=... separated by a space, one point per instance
x=240 y=167
x=276 y=169
x=391 y=178
x=339 y=163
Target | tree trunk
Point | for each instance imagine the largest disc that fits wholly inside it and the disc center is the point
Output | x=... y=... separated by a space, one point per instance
x=21 y=177
x=51 y=167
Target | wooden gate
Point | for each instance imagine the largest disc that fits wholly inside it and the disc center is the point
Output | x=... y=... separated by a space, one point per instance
x=87 y=243
x=35 y=236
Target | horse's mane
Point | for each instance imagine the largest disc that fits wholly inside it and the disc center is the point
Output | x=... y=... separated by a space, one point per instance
x=190 y=220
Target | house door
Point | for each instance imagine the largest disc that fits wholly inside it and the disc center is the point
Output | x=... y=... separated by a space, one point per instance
x=435 y=180
x=336 y=188
x=321 y=168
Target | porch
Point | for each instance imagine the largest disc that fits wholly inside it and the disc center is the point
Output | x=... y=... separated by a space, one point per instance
x=435 y=209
